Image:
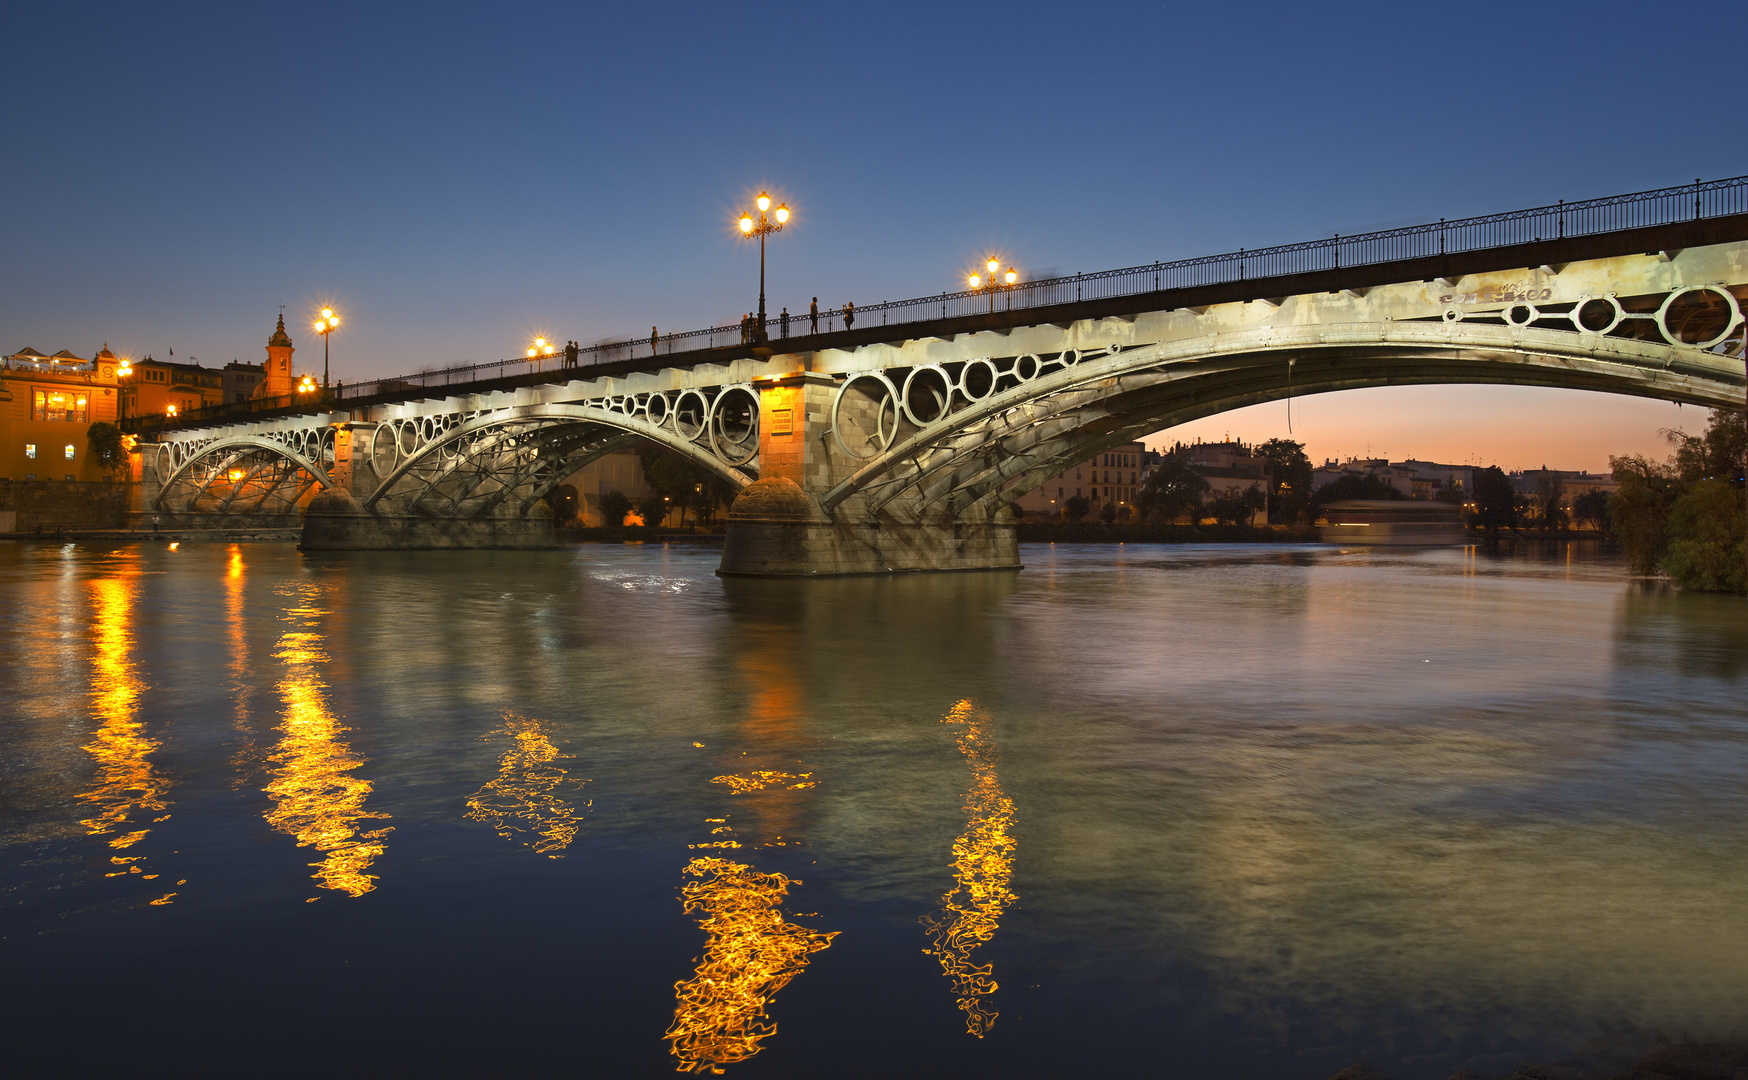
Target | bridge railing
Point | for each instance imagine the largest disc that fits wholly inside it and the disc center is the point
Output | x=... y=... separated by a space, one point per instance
x=1614 y=213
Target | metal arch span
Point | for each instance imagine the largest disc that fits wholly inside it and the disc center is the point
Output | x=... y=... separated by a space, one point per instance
x=440 y=459
x=233 y=448
x=1037 y=419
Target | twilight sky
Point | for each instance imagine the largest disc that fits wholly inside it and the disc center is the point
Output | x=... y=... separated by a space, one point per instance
x=456 y=178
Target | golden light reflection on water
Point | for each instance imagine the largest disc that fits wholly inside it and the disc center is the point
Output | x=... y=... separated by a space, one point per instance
x=127 y=788
x=526 y=798
x=759 y=779
x=983 y=868
x=316 y=797
x=752 y=951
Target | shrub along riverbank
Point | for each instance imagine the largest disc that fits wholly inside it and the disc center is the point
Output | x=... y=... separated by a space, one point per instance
x=1685 y=516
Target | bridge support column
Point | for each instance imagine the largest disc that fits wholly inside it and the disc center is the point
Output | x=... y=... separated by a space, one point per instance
x=777 y=527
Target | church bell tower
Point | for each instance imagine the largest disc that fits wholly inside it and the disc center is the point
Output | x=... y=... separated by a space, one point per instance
x=279 y=350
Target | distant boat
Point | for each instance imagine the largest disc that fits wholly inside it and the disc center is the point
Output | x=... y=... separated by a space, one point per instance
x=1394 y=522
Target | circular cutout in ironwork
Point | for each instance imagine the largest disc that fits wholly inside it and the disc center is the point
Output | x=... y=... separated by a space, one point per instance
x=1701 y=316
x=691 y=413
x=977 y=379
x=1521 y=314
x=875 y=425
x=925 y=404
x=655 y=409
x=734 y=425
x=1597 y=315
x=1026 y=367
x=1453 y=315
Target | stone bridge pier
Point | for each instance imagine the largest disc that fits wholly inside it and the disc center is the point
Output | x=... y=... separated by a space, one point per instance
x=779 y=526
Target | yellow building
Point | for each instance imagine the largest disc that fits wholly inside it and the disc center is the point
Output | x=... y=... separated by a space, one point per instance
x=46 y=405
x=156 y=385
x=1112 y=478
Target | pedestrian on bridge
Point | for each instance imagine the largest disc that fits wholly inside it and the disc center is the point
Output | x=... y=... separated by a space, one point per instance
x=652 y=341
x=570 y=354
x=813 y=313
x=783 y=321
x=849 y=315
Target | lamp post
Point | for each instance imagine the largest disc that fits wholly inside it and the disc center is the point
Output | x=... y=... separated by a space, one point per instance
x=325 y=325
x=123 y=370
x=307 y=385
x=761 y=229
x=540 y=348
x=993 y=266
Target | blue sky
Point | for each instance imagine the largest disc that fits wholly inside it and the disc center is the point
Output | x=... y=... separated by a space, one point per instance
x=456 y=178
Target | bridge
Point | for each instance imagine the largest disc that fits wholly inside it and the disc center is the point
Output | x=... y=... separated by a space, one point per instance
x=899 y=442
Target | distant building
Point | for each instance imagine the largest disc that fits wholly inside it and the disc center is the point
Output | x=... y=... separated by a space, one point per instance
x=158 y=384
x=1107 y=479
x=241 y=380
x=47 y=404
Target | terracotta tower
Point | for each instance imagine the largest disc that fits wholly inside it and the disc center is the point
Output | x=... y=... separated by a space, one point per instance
x=278 y=381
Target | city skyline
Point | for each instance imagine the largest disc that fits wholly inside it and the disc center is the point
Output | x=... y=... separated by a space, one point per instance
x=455 y=187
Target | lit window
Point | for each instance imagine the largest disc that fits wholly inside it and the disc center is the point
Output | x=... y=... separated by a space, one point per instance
x=30 y=450
x=69 y=451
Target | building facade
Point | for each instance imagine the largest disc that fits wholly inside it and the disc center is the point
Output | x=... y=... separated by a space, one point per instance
x=1112 y=478
x=47 y=404
x=157 y=386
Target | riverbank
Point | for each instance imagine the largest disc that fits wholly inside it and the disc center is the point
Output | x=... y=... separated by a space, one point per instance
x=1097 y=532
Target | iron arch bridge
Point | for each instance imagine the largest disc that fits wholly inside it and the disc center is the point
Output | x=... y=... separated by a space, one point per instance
x=953 y=435
x=905 y=450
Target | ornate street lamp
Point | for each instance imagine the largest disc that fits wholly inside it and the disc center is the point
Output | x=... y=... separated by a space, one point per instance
x=993 y=266
x=761 y=229
x=123 y=370
x=325 y=325
x=540 y=348
x=307 y=385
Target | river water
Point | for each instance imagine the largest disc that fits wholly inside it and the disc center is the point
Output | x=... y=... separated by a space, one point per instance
x=1166 y=811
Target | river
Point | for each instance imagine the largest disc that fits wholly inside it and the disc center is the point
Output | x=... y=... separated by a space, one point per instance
x=1147 y=810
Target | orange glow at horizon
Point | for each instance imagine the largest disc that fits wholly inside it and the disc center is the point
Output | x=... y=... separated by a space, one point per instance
x=983 y=870
x=316 y=797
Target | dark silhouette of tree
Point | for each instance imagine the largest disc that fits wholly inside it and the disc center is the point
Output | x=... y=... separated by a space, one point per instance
x=1108 y=513
x=1076 y=507
x=1591 y=509
x=1549 y=493
x=1237 y=507
x=686 y=484
x=1354 y=486
x=614 y=506
x=653 y=509
x=1290 y=471
x=1496 y=505
x=107 y=445
x=1172 y=490
x=1705 y=538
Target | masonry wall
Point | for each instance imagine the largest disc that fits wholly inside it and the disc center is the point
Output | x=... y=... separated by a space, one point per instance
x=60 y=504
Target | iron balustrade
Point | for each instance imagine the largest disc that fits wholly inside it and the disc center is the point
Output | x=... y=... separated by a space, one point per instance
x=1563 y=220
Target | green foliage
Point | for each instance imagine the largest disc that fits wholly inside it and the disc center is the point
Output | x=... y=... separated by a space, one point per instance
x=1172 y=491
x=1591 y=510
x=1237 y=507
x=686 y=484
x=1718 y=453
x=1355 y=486
x=652 y=509
x=1108 y=513
x=1291 y=471
x=1705 y=538
x=614 y=507
x=107 y=445
x=1496 y=505
x=1077 y=507
x=1639 y=509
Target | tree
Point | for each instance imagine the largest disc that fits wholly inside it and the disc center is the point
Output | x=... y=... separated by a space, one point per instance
x=614 y=506
x=686 y=484
x=653 y=509
x=1108 y=513
x=1639 y=509
x=1496 y=505
x=1591 y=509
x=1705 y=538
x=1172 y=490
x=1237 y=507
x=107 y=445
x=1354 y=486
x=1076 y=507
x=1549 y=493
x=1291 y=472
